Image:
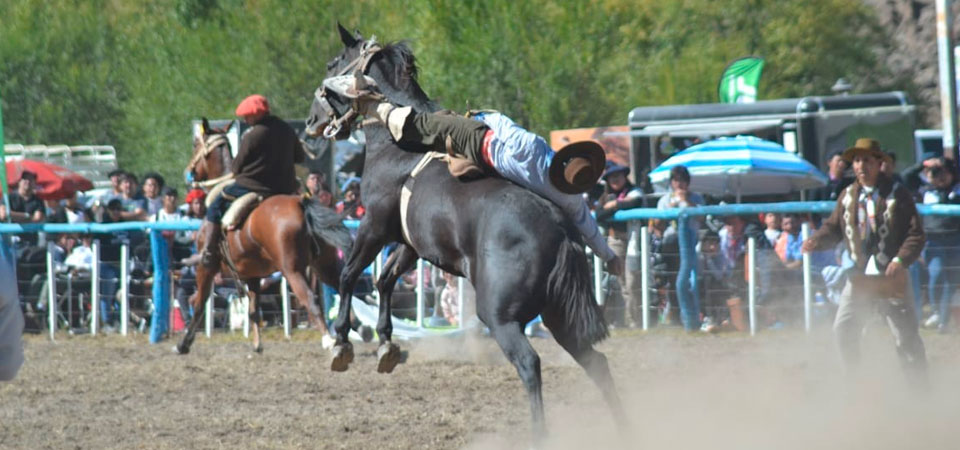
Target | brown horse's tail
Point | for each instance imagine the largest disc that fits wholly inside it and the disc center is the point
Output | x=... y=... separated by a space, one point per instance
x=324 y=224
x=571 y=305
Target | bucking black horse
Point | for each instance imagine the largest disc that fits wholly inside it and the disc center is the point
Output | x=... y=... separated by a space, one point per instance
x=520 y=252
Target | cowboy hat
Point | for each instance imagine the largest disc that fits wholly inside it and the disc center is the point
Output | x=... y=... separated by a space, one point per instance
x=866 y=146
x=576 y=167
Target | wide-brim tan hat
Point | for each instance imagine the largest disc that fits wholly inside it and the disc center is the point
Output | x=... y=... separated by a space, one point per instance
x=576 y=167
x=864 y=146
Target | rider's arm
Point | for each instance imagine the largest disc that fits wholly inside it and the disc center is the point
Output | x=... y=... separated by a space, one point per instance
x=578 y=211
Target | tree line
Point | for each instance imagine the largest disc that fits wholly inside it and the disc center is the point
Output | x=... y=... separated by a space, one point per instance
x=134 y=74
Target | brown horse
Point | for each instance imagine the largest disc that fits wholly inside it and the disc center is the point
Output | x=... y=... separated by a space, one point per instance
x=284 y=232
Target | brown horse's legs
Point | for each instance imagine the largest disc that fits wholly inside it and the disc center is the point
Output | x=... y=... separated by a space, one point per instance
x=253 y=289
x=197 y=301
x=399 y=262
x=365 y=249
x=306 y=298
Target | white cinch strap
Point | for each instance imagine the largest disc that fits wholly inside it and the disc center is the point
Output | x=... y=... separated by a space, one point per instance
x=407 y=190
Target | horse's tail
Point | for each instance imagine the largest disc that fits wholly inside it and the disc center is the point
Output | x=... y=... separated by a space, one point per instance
x=326 y=225
x=571 y=300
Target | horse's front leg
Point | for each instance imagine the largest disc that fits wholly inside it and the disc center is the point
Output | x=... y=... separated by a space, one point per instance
x=365 y=248
x=400 y=261
x=204 y=279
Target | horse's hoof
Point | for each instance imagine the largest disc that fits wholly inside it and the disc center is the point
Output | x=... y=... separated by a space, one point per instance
x=342 y=357
x=180 y=350
x=366 y=333
x=388 y=356
x=258 y=349
x=327 y=342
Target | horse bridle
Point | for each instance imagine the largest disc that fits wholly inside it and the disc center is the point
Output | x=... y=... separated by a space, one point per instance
x=210 y=143
x=358 y=66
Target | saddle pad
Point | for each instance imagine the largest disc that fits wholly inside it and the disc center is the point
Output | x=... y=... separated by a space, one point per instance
x=239 y=210
x=407 y=189
x=217 y=190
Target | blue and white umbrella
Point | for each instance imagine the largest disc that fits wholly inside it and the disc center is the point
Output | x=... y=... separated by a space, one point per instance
x=742 y=165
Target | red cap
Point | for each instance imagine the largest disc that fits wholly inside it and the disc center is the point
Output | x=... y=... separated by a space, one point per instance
x=253 y=105
x=195 y=194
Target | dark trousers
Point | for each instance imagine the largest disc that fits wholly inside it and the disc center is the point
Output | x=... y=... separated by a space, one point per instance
x=222 y=202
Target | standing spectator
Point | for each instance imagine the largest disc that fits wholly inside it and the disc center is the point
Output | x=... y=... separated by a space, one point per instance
x=889 y=167
x=621 y=194
x=109 y=263
x=153 y=185
x=788 y=245
x=687 y=295
x=314 y=183
x=942 y=252
x=837 y=181
x=878 y=223
x=26 y=207
x=772 y=232
x=351 y=207
x=70 y=211
x=134 y=206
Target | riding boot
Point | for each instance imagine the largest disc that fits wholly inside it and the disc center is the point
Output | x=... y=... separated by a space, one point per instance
x=210 y=255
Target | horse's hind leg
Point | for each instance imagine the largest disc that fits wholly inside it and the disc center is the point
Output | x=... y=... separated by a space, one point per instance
x=197 y=301
x=594 y=363
x=521 y=354
x=307 y=299
x=365 y=249
x=254 y=313
x=399 y=262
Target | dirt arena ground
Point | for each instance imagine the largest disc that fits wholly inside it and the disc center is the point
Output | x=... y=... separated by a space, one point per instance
x=778 y=390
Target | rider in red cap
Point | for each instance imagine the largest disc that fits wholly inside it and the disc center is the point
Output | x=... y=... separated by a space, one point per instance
x=264 y=164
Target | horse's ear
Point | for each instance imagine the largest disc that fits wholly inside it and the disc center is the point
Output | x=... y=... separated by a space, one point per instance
x=205 y=126
x=345 y=36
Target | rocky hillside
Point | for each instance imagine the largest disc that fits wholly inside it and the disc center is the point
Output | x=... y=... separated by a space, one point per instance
x=912 y=28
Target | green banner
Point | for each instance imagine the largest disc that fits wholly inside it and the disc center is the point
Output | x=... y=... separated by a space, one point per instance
x=739 y=81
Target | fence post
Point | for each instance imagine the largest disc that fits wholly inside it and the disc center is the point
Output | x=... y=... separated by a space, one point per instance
x=598 y=280
x=124 y=286
x=752 y=284
x=285 y=304
x=208 y=315
x=161 y=286
x=807 y=282
x=420 y=300
x=95 y=287
x=645 y=276
x=51 y=292
x=460 y=302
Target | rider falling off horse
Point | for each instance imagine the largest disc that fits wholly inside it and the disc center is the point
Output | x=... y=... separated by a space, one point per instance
x=491 y=142
x=264 y=164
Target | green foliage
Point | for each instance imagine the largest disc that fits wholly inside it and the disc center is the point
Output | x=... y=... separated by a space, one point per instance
x=134 y=74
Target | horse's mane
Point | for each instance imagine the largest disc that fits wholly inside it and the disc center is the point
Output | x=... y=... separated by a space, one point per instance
x=404 y=77
x=405 y=63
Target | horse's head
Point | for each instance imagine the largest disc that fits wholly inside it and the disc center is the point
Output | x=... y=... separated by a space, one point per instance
x=394 y=68
x=211 y=153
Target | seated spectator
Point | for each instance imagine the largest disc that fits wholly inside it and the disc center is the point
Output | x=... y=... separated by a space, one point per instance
x=351 y=206
x=889 y=167
x=63 y=245
x=153 y=185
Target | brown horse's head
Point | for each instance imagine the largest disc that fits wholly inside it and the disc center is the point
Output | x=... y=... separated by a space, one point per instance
x=211 y=153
